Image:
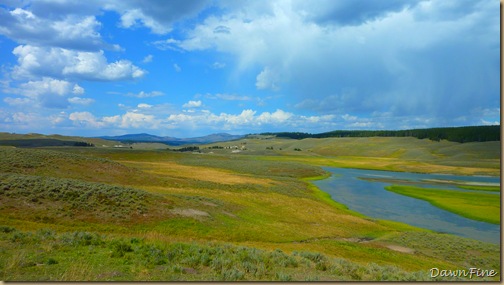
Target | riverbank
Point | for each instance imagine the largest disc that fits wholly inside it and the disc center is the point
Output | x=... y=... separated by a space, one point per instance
x=368 y=197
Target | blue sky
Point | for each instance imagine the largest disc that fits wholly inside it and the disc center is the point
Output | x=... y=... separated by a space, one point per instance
x=190 y=68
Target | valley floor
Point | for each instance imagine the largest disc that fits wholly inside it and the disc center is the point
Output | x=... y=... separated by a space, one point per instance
x=130 y=214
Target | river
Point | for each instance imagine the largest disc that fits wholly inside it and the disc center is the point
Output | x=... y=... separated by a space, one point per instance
x=370 y=198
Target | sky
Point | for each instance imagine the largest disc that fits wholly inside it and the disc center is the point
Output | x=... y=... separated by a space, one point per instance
x=196 y=67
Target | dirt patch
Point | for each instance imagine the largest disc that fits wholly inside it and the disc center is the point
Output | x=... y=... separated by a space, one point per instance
x=400 y=248
x=209 y=204
x=190 y=213
x=189 y=270
x=229 y=214
x=359 y=240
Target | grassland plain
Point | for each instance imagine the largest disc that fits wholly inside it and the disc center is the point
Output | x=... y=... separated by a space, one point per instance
x=207 y=208
x=473 y=205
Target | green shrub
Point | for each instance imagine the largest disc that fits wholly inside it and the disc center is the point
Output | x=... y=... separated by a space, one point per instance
x=6 y=229
x=283 y=277
x=232 y=274
x=120 y=248
x=153 y=255
x=51 y=261
x=82 y=238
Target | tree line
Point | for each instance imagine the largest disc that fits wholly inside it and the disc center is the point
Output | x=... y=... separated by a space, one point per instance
x=454 y=134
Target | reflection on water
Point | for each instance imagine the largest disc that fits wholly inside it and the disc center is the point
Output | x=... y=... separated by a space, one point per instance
x=371 y=199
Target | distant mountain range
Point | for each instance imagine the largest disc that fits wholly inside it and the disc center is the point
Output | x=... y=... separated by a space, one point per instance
x=143 y=137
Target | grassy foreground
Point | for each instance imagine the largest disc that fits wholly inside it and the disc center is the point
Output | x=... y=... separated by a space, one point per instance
x=473 y=205
x=98 y=214
x=46 y=256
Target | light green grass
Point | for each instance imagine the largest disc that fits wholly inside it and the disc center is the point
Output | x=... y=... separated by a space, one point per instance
x=476 y=206
x=480 y=188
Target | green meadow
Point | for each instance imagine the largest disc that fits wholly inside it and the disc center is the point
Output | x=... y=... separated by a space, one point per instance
x=150 y=214
x=477 y=206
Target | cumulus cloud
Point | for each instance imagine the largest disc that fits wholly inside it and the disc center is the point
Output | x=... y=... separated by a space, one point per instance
x=49 y=86
x=81 y=101
x=148 y=58
x=47 y=92
x=85 y=119
x=144 y=105
x=70 y=32
x=152 y=14
x=77 y=90
x=268 y=79
x=138 y=120
x=279 y=116
x=125 y=121
x=63 y=63
x=192 y=104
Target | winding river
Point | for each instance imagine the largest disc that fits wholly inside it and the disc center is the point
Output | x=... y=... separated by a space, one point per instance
x=363 y=191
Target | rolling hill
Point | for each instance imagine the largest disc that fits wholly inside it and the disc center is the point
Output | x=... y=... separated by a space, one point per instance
x=143 y=137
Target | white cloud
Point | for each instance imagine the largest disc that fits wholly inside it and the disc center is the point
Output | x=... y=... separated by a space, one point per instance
x=218 y=65
x=143 y=94
x=58 y=119
x=348 y=117
x=58 y=62
x=489 y=123
x=77 y=90
x=177 y=67
x=148 y=58
x=155 y=15
x=276 y=117
x=168 y=44
x=144 y=106
x=70 y=31
x=17 y=101
x=85 y=119
x=313 y=52
x=81 y=101
x=192 y=104
x=138 y=120
x=47 y=92
x=47 y=85
x=247 y=119
x=125 y=121
x=268 y=79
x=112 y=119
x=228 y=97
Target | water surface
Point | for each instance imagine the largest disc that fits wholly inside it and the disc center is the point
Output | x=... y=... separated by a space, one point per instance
x=371 y=199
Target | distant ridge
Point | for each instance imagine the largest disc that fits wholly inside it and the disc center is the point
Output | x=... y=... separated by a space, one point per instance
x=143 y=137
x=455 y=134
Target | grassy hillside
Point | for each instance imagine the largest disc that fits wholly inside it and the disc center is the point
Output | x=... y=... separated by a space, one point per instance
x=52 y=140
x=396 y=154
x=454 y=134
x=132 y=214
